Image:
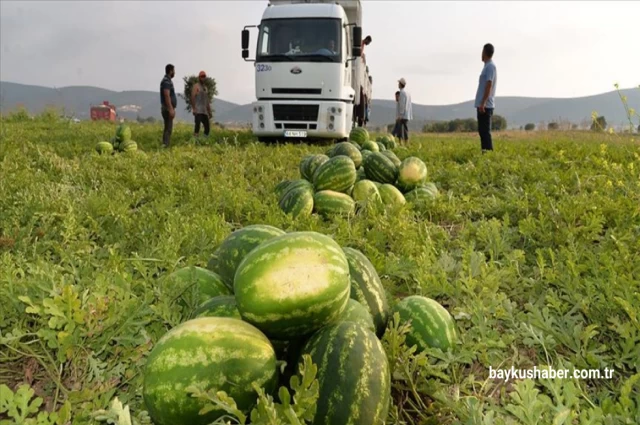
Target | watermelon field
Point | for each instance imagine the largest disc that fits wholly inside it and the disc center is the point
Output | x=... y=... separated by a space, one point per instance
x=130 y=277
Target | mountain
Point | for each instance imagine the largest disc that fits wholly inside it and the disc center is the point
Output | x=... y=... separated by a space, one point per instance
x=517 y=110
x=77 y=101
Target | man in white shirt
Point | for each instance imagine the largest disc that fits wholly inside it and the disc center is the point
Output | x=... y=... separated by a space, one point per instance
x=404 y=111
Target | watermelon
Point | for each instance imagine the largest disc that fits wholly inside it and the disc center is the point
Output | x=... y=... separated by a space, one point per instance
x=365 y=155
x=391 y=195
x=370 y=145
x=359 y=135
x=388 y=141
x=309 y=165
x=219 y=353
x=355 y=144
x=423 y=194
x=298 y=202
x=365 y=191
x=379 y=168
x=348 y=149
x=360 y=174
x=104 y=147
x=296 y=184
x=123 y=133
x=220 y=306
x=357 y=313
x=353 y=376
x=367 y=289
x=381 y=147
x=393 y=157
x=233 y=249
x=337 y=174
x=411 y=173
x=431 y=325
x=128 y=146
x=293 y=284
x=282 y=187
x=207 y=284
x=329 y=202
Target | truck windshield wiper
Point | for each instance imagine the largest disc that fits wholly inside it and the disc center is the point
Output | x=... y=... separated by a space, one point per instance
x=278 y=57
x=319 y=57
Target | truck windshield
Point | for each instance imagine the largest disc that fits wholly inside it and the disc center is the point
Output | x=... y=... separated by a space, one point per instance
x=300 y=40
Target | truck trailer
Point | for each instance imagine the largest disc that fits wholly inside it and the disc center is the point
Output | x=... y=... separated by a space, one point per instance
x=310 y=78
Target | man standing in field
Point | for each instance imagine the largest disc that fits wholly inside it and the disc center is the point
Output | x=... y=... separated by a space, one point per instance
x=200 y=105
x=168 y=102
x=485 y=102
x=404 y=112
x=396 y=127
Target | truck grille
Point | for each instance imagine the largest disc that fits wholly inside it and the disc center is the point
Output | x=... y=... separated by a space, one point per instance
x=295 y=112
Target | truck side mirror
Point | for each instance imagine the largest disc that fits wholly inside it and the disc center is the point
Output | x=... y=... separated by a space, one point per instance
x=245 y=54
x=245 y=40
x=357 y=41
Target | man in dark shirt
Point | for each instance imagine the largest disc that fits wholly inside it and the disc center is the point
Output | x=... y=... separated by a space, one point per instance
x=168 y=102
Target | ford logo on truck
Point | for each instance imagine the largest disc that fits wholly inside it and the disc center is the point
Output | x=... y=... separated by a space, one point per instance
x=295 y=70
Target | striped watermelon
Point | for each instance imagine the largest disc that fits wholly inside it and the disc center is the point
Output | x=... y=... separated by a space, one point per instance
x=423 y=194
x=367 y=289
x=353 y=376
x=388 y=141
x=360 y=174
x=293 y=284
x=104 y=147
x=128 y=146
x=393 y=157
x=348 y=149
x=329 y=202
x=391 y=195
x=297 y=202
x=310 y=164
x=281 y=188
x=357 y=313
x=337 y=174
x=222 y=354
x=381 y=147
x=371 y=146
x=365 y=191
x=365 y=155
x=206 y=283
x=296 y=184
x=411 y=174
x=233 y=249
x=359 y=135
x=221 y=306
x=379 y=168
x=431 y=324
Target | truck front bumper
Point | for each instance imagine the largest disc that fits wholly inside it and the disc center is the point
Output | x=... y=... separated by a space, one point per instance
x=302 y=119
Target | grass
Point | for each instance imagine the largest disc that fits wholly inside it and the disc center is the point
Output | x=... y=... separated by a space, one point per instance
x=534 y=248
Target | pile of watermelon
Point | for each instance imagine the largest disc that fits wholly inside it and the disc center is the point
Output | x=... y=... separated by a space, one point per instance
x=355 y=174
x=269 y=296
x=121 y=142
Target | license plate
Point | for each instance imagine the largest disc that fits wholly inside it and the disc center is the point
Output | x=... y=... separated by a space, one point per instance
x=295 y=133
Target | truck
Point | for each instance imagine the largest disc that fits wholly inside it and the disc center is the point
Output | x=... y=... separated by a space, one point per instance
x=310 y=76
x=106 y=111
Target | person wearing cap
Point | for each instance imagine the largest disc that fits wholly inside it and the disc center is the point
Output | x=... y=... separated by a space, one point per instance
x=404 y=112
x=200 y=105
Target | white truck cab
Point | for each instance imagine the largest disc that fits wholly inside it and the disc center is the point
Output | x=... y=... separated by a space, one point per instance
x=309 y=73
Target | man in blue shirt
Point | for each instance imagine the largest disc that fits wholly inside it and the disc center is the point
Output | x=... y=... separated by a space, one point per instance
x=168 y=102
x=485 y=97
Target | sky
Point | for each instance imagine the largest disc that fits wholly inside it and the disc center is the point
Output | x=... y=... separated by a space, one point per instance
x=543 y=48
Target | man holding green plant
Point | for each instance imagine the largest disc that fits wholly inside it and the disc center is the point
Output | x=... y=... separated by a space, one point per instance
x=200 y=105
